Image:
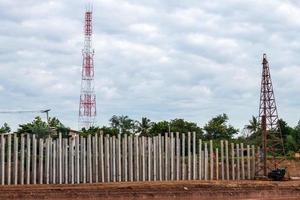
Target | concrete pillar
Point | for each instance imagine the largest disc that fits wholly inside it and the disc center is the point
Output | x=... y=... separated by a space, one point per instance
x=243 y=161
x=16 y=159
x=194 y=155
x=211 y=162
x=8 y=181
x=34 y=159
x=177 y=156
x=232 y=162
x=28 y=158
x=183 y=157
x=222 y=160
x=200 y=159
x=227 y=159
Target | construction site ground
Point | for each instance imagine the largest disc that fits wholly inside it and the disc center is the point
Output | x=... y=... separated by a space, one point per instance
x=163 y=190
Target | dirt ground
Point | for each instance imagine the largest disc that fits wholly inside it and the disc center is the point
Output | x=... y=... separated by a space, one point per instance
x=186 y=190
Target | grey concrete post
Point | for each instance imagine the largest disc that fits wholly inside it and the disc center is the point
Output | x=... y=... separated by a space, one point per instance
x=172 y=156
x=253 y=162
x=137 y=157
x=101 y=144
x=243 y=161
x=16 y=159
x=77 y=159
x=72 y=148
x=183 y=157
x=143 y=159
x=222 y=160
x=248 y=162
x=200 y=159
x=54 y=161
x=65 y=166
x=34 y=159
x=89 y=159
x=166 y=157
x=211 y=162
x=149 y=158
x=227 y=159
x=28 y=159
x=154 y=140
x=96 y=154
x=22 y=163
x=177 y=156
x=238 y=162
x=189 y=155
x=2 y=159
x=232 y=162
x=119 y=158
x=8 y=159
x=107 y=156
x=47 y=161
x=59 y=158
x=217 y=164
x=159 y=157
x=130 y=159
x=205 y=161
x=194 y=155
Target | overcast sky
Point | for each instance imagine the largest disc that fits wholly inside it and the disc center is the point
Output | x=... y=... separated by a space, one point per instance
x=163 y=59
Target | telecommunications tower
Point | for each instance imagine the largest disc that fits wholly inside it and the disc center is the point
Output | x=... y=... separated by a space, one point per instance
x=272 y=143
x=87 y=105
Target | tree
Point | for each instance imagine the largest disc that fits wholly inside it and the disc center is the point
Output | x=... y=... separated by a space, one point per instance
x=175 y=125
x=37 y=126
x=159 y=128
x=109 y=130
x=123 y=124
x=5 y=128
x=42 y=129
x=90 y=131
x=144 y=126
x=218 y=128
x=253 y=125
x=289 y=136
x=255 y=131
x=182 y=126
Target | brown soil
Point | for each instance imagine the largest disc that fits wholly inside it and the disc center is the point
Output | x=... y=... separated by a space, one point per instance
x=208 y=190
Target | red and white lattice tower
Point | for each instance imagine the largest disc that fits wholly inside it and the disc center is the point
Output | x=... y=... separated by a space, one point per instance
x=87 y=105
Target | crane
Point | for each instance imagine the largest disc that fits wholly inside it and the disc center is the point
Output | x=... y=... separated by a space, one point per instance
x=27 y=111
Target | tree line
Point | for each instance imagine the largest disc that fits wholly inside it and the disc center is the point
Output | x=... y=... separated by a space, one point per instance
x=217 y=128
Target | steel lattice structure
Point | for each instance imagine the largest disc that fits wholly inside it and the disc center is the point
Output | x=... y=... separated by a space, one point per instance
x=272 y=143
x=87 y=105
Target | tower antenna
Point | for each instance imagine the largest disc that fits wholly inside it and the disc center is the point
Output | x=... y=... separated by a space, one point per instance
x=272 y=143
x=87 y=105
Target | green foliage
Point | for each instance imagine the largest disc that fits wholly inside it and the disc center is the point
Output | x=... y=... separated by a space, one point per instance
x=290 y=136
x=90 y=131
x=218 y=128
x=109 y=130
x=5 y=128
x=123 y=124
x=143 y=127
x=37 y=126
x=182 y=126
x=159 y=128
x=175 y=125
x=255 y=132
x=42 y=129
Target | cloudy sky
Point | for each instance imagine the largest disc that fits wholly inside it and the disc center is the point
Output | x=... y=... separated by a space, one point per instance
x=166 y=59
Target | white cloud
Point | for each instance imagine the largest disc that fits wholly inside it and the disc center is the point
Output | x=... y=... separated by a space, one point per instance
x=163 y=59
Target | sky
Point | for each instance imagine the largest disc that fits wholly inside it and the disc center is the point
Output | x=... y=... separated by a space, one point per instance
x=166 y=59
